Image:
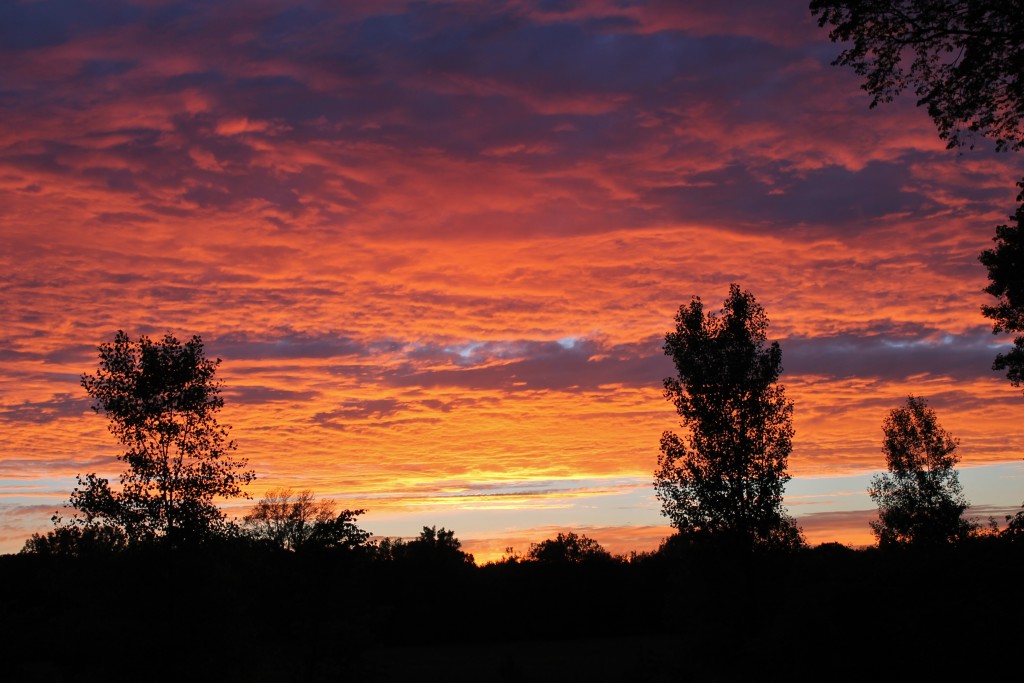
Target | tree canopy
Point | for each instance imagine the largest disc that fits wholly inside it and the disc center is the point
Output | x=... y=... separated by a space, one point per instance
x=76 y=541
x=570 y=548
x=162 y=400
x=963 y=60
x=920 y=500
x=433 y=547
x=298 y=522
x=727 y=474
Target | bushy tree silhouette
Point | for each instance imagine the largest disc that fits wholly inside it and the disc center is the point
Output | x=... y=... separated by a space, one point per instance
x=438 y=547
x=568 y=548
x=76 y=541
x=162 y=400
x=726 y=476
x=920 y=501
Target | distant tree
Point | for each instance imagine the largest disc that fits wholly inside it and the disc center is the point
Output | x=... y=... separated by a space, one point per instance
x=1005 y=265
x=963 y=60
x=76 y=541
x=296 y=521
x=726 y=477
x=432 y=547
x=388 y=549
x=438 y=545
x=920 y=501
x=162 y=400
x=510 y=556
x=567 y=549
x=1015 y=526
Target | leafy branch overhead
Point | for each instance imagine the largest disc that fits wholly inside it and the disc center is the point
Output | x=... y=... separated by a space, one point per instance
x=963 y=60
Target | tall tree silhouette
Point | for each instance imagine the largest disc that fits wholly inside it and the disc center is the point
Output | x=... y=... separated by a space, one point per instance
x=963 y=60
x=162 y=400
x=920 y=500
x=1005 y=264
x=726 y=476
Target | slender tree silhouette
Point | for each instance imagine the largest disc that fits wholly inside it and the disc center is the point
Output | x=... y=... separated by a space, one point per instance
x=727 y=476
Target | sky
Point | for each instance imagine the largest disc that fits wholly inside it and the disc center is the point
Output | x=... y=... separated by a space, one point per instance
x=437 y=246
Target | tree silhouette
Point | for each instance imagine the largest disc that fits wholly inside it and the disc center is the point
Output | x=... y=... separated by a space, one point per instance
x=920 y=500
x=162 y=401
x=1015 y=526
x=437 y=546
x=76 y=541
x=296 y=521
x=567 y=549
x=433 y=547
x=963 y=60
x=726 y=477
x=1005 y=264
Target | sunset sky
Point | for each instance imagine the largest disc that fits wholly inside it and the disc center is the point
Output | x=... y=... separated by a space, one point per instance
x=437 y=246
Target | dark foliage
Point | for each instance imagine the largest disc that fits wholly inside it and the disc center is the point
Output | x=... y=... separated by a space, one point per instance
x=1005 y=264
x=963 y=60
x=920 y=500
x=1015 y=526
x=77 y=541
x=568 y=548
x=726 y=477
x=293 y=521
x=432 y=548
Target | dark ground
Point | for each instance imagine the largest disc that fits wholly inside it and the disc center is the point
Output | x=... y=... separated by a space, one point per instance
x=230 y=614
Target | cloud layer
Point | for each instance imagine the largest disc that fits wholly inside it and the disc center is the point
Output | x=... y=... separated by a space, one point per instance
x=441 y=242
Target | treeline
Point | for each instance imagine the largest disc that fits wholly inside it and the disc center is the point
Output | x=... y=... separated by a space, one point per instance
x=566 y=610
x=723 y=479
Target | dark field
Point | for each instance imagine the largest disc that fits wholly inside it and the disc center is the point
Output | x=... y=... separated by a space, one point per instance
x=234 y=614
